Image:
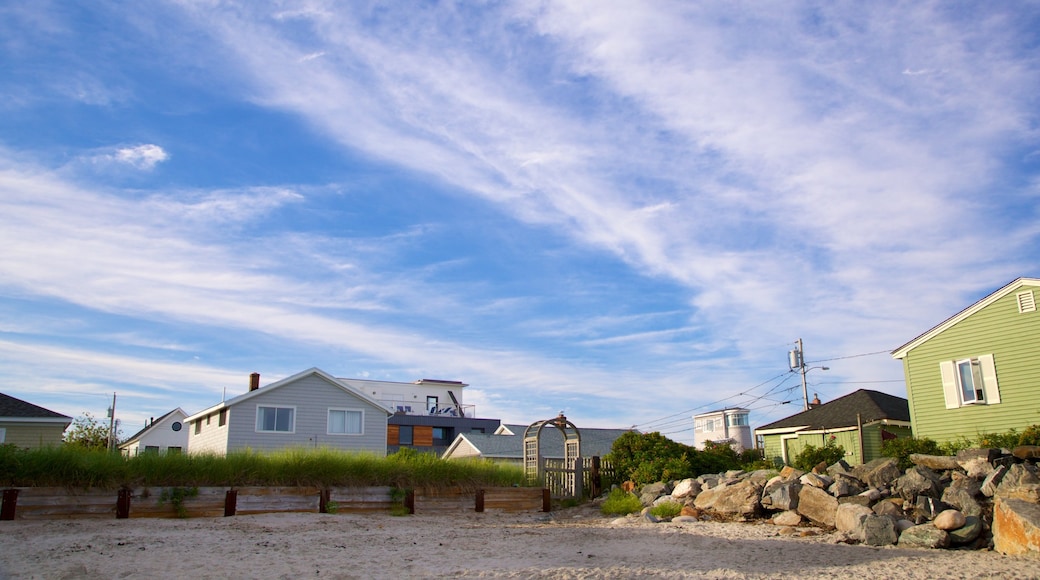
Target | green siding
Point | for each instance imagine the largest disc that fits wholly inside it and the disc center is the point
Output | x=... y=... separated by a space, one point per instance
x=849 y=440
x=1014 y=341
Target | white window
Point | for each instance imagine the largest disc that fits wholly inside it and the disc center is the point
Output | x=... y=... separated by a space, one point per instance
x=736 y=420
x=276 y=419
x=346 y=421
x=970 y=381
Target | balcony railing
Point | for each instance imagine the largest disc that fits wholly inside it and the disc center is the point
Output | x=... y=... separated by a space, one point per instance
x=402 y=408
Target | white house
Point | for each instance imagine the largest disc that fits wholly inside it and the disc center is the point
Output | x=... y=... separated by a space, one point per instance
x=309 y=409
x=167 y=434
x=723 y=426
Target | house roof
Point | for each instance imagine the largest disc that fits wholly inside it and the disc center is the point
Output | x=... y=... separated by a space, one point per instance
x=594 y=442
x=288 y=380
x=984 y=302
x=152 y=425
x=869 y=405
x=17 y=409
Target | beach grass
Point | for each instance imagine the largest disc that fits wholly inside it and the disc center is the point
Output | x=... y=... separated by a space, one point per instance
x=76 y=467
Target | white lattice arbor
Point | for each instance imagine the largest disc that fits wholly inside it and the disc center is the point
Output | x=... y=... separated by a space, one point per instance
x=535 y=464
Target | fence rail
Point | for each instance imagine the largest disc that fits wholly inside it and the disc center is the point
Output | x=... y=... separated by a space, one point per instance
x=35 y=503
x=564 y=482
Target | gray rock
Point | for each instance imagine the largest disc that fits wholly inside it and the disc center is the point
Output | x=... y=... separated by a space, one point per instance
x=855 y=499
x=845 y=485
x=816 y=480
x=961 y=494
x=785 y=497
x=968 y=533
x=878 y=473
x=879 y=530
x=740 y=498
x=686 y=488
x=889 y=507
x=817 y=505
x=651 y=491
x=924 y=536
x=1019 y=475
x=976 y=467
x=1026 y=452
x=787 y=518
x=684 y=520
x=849 y=518
x=839 y=467
x=935 y=462
x=987 y=454
x=989 y=485
x=916 y=482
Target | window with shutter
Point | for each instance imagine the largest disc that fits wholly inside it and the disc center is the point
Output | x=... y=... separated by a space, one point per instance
x=970 y=381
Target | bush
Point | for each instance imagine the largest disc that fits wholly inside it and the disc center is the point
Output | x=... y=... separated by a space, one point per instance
x=811 y=456
x=1031 y=436
x=666 y=510
x=904 y=447
x=620 y=503
x=649 y=457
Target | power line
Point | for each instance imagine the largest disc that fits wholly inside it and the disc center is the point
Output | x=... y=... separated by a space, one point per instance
x=849 y=356
x=669 y=420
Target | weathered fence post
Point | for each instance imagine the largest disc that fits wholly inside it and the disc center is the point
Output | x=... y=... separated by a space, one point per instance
x=480 y=500
x=10 y=502
x=546 y=500
x=595 y=486
x=123 y=503
x=230 y=502
x=409 y=501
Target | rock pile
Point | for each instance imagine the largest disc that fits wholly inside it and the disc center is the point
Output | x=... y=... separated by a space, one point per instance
x=980 y=498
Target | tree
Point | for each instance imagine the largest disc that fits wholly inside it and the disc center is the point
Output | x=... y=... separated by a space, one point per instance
x=649 y=457
x=87 y=432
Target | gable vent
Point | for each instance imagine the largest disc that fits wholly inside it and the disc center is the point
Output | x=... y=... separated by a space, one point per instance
x=1026 y=302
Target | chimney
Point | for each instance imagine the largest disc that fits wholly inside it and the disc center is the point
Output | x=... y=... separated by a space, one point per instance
x=254 y=381
x=815 y=401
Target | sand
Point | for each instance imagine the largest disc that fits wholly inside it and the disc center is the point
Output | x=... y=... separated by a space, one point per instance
x=576 y=543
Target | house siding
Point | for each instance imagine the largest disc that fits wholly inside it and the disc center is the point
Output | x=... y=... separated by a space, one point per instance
x=32 y=436
x=213 y=437
x=312 y=397
x=1014 y=341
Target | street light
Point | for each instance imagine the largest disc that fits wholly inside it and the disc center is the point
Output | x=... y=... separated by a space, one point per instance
x=797 y=361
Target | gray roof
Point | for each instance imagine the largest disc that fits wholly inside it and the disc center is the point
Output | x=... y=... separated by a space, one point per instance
x=594 y=442
x=12 y=407
x=842 y=412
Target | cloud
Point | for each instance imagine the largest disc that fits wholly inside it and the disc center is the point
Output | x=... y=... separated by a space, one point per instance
x=144 y=157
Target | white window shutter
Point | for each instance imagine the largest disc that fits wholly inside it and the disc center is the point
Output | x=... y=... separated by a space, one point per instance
x=949 y=381
x=989 y=379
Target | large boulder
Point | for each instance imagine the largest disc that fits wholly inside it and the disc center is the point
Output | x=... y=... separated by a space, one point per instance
x=1016 y=527
x=1019 y=475
x=816 y=480
x=989 y=485
x=961 y=494
x=845 y=485
x=783 y=497
x=652 y=491
x=740 y=498
x=916 y=482
x=924 y=536
x=926 y=508
x=1025 y=452
x=889 y=507
x=935 y=462
x=878 y=473
x=686 y=488
x=968 y=533
x=787 y=518
x=879 y=530
x=849 y=518
x=817 y=505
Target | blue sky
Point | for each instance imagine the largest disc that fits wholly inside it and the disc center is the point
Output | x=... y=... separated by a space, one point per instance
x=625 y=212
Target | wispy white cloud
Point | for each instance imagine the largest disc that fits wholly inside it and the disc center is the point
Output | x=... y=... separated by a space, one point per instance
x=145 y=156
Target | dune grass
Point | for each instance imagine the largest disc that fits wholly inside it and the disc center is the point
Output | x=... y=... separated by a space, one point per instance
x=74 y=467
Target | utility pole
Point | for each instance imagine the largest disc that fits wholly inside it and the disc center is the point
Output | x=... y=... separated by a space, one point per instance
x=797 y=361
x=112 y=424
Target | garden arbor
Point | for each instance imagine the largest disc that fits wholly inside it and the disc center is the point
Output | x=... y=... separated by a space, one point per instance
x=564 y=480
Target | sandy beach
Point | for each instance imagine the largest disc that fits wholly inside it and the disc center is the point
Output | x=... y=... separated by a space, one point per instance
x=576 y=543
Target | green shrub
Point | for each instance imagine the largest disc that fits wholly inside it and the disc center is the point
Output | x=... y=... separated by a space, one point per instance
x=1031 y=436
x=649 y=457
x=904 y=447
x=811 y=456
x=666 y=510
x=1007 y=440
x=620 y=502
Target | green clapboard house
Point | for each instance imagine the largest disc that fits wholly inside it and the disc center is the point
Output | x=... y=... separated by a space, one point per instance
x=978 y=371
x=858 y=422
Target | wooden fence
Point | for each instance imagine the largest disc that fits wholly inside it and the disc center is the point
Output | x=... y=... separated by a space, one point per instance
x=35 y=503
x=564 y=482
